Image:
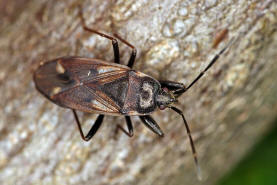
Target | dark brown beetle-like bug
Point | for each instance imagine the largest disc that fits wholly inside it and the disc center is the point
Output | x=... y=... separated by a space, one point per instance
x=96 y=86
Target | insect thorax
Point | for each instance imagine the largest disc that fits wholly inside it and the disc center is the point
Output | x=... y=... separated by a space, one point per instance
x=146 y=96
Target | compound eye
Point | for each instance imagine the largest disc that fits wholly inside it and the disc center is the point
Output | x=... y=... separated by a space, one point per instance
x=165 y=89
x=162 y=107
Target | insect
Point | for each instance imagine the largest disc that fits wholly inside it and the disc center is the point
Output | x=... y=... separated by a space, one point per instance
x=96 y=86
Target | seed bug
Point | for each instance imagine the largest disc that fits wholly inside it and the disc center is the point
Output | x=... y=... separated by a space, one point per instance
x=96 y=86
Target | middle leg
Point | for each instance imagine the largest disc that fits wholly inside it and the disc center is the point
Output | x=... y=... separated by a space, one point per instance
x=114 y=41
x=150 y=123
x=133 y=54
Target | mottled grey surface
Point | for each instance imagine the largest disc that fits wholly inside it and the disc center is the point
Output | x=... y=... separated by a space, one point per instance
x=228 y=110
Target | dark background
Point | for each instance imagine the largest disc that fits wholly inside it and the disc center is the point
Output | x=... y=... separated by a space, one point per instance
x=259 y=167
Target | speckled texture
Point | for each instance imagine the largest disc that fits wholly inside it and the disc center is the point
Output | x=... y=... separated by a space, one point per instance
x=228 y=110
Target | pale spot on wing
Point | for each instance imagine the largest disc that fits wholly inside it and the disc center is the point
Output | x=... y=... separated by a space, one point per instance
x=103 y=69
x=59 y=68
x=55 y=91
x=100 y=106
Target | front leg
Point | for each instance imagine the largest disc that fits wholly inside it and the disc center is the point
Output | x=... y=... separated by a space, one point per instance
x=150 y=123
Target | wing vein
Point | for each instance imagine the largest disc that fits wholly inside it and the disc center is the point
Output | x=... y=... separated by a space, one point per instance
x=113 y=107
x=103 y=76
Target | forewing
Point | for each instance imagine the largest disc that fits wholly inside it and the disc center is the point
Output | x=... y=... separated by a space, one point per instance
x=85 y=69
x=86 y=100
x=98 y=86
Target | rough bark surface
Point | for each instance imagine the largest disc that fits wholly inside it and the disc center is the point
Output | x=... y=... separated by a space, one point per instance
x=228 y=110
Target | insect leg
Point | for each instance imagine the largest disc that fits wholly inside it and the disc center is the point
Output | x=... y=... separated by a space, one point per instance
x=170 y=85
x=134 y=51
x=114 y=41
x=152 y=125
x=181 y=91
x=130 y=131
x=190 y=140
x=93 y=129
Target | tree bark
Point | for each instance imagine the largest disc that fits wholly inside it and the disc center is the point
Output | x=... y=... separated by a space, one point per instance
x=228 y=110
